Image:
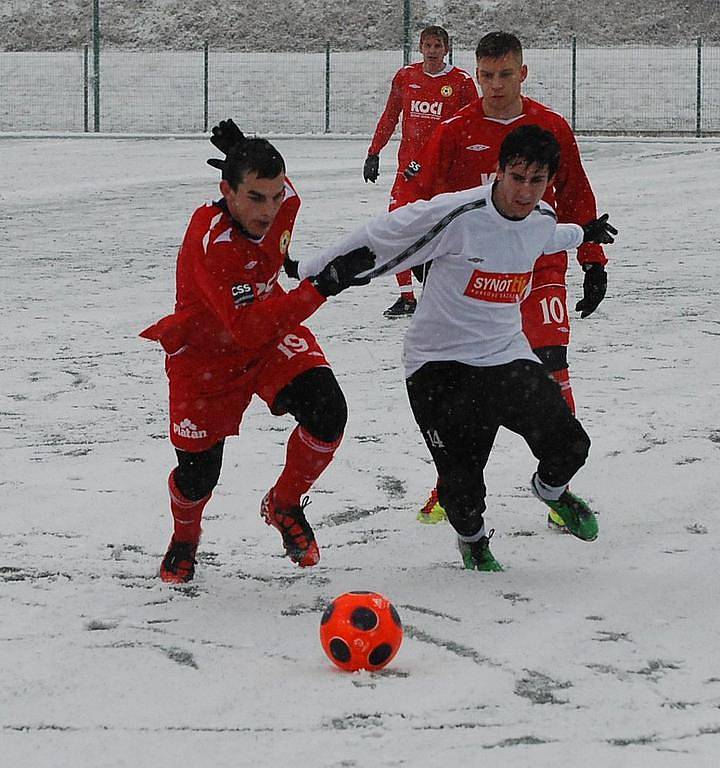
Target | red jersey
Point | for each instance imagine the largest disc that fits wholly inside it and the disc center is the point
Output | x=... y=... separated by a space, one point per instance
x=463 y=153
x=424 y=100
x=229 y=303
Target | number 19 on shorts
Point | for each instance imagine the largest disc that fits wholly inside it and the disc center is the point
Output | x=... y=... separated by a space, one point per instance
x=293 y=345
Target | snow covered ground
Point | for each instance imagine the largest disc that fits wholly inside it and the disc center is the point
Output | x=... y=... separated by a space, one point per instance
x=602 y=653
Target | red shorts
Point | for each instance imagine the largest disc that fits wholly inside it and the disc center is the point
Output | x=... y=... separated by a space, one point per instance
x=208 y=396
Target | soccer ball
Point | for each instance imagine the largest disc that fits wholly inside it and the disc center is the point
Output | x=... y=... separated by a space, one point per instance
x=360 y=630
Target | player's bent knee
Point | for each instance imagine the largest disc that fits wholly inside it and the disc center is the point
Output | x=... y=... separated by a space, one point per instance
x=553 y=358
x=197 y=474
x=316 y=401
x=578 y=448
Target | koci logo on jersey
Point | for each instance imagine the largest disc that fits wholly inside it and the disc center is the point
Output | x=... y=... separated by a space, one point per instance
x=498 y=287
x=433 y=108
x=187 y=429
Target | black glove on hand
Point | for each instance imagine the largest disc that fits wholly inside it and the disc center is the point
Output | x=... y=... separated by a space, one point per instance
x=599 y=230
x=343 y=271
x=291 y=268
x=371 y=169
x=225 y=136
x=594 y=288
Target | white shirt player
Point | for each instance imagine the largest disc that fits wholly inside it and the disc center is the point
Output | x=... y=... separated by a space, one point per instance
x=469 y=311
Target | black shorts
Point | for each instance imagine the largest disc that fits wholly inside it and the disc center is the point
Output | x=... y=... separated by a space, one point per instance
x=459 y=409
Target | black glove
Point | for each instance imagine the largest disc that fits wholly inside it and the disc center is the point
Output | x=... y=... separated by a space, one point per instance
x=291 y=268
x=594 y=287
x=343 y=271
x=599 y=230
x=371 y=169
x=225 y=136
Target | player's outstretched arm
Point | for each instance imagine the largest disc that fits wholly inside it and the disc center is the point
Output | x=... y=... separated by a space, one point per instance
x=345 y=271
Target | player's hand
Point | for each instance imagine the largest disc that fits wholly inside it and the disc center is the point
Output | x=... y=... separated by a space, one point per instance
x=225 y=135
x=371 y=169
x=594 y=288
x=291 y=268
x=599 y=230
x=343 y=271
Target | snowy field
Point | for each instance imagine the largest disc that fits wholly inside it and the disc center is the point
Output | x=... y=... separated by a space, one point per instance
x=604 y=654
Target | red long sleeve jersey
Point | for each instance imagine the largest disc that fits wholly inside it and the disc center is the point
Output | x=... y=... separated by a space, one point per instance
x=424 y=101
x=463 y=152
x=228 y=300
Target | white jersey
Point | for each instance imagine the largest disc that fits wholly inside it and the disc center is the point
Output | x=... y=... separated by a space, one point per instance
x=469 y=310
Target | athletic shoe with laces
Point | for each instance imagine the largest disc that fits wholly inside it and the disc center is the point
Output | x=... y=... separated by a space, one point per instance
x=476 y=555
x=401 y=308
x=432 y=512
x=297 y=535
x=574 y=512
x=178 y=565
x=555 y=522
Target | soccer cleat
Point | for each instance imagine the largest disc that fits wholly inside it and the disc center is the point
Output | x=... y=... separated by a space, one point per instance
x=432 y=512
x=297 y=535
x=555 y=522
x=575 y=514
x=178 y=565
x=477 y=556
x=401 y=308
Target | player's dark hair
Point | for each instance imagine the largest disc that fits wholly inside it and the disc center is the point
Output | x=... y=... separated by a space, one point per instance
x=497 y=44
x=435 y=31
x=257 y=155
x=530 y=145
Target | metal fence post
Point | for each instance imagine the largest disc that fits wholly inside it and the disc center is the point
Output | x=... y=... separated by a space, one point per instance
x=573 y=108
x=327 y=87
x=86 y=89
x=698 y=91
x=406 y=32
x=96 y=65
x=206 y=95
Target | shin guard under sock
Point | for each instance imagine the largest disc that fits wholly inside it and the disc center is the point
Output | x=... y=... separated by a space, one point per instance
x=306 y=459
x=187 y=514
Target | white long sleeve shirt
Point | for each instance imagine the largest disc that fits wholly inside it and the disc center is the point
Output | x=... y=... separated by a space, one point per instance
x=469 y=311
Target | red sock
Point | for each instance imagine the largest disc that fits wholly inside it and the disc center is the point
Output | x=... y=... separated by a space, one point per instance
x=563 y=379
x=305 y=461
x=404 y=280
x=187 y=514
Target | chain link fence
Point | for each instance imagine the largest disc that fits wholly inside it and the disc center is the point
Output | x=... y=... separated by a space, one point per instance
x=601 y=90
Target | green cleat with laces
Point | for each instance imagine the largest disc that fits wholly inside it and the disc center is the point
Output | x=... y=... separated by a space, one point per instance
x=572 y=514
x=476 y=555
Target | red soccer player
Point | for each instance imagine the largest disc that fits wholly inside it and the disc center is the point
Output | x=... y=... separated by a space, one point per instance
x=425 y=93
x=463 y=152
x=236 y=333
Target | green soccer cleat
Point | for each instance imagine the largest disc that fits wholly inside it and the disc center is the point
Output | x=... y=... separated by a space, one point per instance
x=432 y=512
x=555 y=522
x=572 y=514
x=477 y=556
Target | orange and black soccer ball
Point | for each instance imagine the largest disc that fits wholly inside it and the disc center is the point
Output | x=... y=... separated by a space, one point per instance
x=360 y=630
